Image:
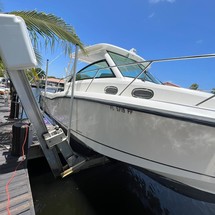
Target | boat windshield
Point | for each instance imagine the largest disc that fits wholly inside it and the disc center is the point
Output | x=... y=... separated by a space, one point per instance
x=98 y=70
x=132 y=70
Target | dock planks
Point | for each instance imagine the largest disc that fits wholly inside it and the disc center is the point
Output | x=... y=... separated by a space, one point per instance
x=21 y=201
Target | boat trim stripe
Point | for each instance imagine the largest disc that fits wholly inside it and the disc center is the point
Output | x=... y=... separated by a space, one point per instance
x=137 y=156
x=149 y=111
x=154 y=111
x=143 y=158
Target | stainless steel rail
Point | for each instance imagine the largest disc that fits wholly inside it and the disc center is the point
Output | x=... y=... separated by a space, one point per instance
x=150 y=62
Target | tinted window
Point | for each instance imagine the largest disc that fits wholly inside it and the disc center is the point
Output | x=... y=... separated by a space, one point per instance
x=131 y=70
x=99 y=69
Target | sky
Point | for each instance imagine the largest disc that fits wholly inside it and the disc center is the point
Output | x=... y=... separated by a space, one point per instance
x=155 y=28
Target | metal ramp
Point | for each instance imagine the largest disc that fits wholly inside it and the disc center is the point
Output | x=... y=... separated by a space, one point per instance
x=17 y=54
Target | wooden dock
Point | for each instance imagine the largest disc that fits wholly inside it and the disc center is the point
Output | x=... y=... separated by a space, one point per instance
x=15 y=190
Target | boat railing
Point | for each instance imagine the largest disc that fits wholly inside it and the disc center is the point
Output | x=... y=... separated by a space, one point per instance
x=98 y=70
x=147 y=64
x=150 y=62
x=144 y=70
x=205 y=100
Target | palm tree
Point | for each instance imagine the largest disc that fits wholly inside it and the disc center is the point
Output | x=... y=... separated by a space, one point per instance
x=48 y=30
x=34 y=75
x=52 y=29
x=1 y=68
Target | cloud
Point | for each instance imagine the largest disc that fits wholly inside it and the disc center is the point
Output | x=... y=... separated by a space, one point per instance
x=151 y=15
x=157 y=1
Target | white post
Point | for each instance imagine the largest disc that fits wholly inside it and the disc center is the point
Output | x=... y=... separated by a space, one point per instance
x=72 y=93
x=45 y=90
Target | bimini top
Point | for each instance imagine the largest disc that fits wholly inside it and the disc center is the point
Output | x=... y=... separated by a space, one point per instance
x=96 y=53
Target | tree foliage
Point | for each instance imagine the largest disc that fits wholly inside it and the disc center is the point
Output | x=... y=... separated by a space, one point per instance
x=213 y=90
x=52 y=29
x=35 y=74
x=49 y=31
x=194 y=86
x=1 y=68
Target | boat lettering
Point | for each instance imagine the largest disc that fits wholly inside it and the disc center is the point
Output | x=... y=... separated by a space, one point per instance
x=120 y=109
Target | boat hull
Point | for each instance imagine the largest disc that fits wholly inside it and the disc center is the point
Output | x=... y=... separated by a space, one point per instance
x=178 y=149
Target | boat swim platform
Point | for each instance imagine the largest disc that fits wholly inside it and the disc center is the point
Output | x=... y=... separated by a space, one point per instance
x=20 y=199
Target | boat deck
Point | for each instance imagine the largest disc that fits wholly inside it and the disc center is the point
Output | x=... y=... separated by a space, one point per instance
x=17 y=199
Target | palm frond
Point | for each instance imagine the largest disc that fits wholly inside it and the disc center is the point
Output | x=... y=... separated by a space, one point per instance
x=38 y=57
x=51 y=28
x=1 y=67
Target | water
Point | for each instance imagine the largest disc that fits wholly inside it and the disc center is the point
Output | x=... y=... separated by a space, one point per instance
x=159 y=199
x=96 y=191
x=113 y=188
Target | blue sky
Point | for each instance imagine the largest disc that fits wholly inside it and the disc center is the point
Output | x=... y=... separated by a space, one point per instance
x=155 y=28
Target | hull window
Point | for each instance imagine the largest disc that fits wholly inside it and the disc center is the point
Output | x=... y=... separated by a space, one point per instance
x=142 y=93
x=111 y=90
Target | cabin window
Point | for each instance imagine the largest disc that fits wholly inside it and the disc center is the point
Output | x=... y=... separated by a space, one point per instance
x=99 y=69
x=132 y=70
x=127 y=70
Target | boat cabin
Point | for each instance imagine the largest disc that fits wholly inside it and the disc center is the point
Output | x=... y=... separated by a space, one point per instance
x=116 y=71
x=108 y=61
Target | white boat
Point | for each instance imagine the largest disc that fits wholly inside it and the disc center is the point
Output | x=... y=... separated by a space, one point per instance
x=121 y=111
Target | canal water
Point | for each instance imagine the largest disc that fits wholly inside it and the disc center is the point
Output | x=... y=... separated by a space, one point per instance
x=113 y=188
x=96 y=191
